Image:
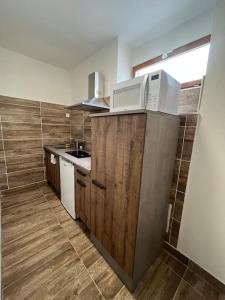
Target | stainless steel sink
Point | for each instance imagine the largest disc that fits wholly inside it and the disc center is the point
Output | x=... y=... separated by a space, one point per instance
x=79 y=153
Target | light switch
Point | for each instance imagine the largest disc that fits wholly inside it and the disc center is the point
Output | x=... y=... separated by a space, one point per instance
x=67 y=115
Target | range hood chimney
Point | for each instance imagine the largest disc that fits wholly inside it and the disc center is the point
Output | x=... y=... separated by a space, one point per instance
x=95 y=95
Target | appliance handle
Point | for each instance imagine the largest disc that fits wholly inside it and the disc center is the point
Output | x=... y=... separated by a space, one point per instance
x=81 y=173
x=81 y=183
x=98 y=184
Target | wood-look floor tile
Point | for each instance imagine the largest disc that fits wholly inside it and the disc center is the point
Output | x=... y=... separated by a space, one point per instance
x=203 y=287
x=186 y=292
x=105 y=278
x=178 y=267
x=25 y=286
x=25 y=177
x=85 y=249
x=159 y=283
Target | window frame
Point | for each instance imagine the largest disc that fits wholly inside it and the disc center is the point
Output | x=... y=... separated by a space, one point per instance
x=180 y=50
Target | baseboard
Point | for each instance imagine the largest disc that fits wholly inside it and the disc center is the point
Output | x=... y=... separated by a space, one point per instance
x=195 y=267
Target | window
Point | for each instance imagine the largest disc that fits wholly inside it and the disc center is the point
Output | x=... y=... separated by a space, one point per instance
x=185 y=64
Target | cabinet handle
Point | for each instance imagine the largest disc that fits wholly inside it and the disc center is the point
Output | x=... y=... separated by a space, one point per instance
x=81 y=173
x=98 y=184
x=81 y=183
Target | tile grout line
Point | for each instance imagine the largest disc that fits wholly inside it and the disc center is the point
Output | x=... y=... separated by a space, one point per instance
x=73 y=247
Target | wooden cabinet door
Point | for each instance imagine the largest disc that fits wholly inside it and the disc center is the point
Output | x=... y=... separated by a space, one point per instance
x=115 y=189
x=82 y=191
x=52 y=172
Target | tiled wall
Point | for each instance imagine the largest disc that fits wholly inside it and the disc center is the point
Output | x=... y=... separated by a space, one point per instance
x=188 y=105
x=26 y=126
x=81 y=128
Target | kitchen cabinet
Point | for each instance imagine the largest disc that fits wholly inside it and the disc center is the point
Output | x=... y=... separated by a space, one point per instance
x=83 y=194
x=132 y=164
x=52 y=171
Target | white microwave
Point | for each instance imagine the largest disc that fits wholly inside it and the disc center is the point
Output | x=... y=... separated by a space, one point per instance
x=157 y=91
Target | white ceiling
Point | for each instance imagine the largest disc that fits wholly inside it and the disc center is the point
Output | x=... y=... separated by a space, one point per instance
x=65 y=32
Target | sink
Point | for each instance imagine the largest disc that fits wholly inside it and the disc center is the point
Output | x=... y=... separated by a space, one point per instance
x=79 y=153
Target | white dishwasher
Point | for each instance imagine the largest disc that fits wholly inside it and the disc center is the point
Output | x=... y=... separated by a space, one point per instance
x=67 y=184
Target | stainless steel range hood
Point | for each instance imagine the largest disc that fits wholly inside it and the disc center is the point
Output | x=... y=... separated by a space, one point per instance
x=95 y=95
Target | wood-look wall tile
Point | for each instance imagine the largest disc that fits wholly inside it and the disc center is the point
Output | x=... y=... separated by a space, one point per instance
x=178 y=209
x=183 y=120
x=183 y=176
x=18 y=113
x=2 y=165
x=52 y=106
x=18 y=147
x=59 y=141
x=3 y=183
x=21 y=131
x=87 y=119
x=18 y=101
x=77 y=118
x=192 y=120
x=188 y=143
x=88 y=146
x=188 y=100
x=25 y=177
x=180 y=142
x=54 y=116
x=87 y=133
x=20 y=163
x=175 y=228
x=1 y=149
x=55 y=131
x=175 y=174
x=77 y=132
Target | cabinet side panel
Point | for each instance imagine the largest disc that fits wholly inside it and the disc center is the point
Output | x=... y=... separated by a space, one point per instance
x=158 y=161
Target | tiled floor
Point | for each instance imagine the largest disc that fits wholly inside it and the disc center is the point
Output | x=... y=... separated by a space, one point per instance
x=47 y=255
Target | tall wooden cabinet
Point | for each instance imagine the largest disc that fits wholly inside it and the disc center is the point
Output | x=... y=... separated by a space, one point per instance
x=132 y=162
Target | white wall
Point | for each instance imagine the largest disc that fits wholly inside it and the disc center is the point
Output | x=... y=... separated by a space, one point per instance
x=25 y=77
x=186 y=33
x=104 y=61
x=202 y=234
x=123 y=61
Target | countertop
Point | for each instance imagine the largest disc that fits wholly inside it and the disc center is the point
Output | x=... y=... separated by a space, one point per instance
x=84 y=163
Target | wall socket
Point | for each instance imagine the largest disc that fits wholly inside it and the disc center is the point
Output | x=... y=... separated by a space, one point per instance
x=67 y=115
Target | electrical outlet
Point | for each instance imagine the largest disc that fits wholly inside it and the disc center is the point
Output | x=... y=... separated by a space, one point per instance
x=168 y=218
x=67 y=115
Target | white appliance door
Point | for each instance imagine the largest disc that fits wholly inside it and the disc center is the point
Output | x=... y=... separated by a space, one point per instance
x=67 y=183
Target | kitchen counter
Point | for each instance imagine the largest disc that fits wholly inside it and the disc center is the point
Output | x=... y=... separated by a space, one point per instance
x=84 y=163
